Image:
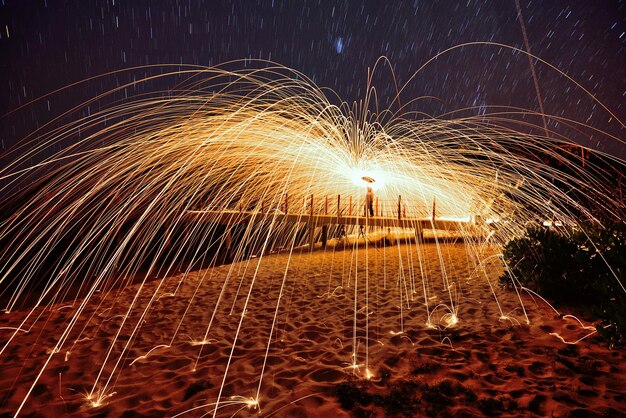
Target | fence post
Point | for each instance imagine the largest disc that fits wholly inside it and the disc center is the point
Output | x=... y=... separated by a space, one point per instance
x=311 y=235
x=325 y=226
x=311 y=227
x=338 y=205
x=399 y=206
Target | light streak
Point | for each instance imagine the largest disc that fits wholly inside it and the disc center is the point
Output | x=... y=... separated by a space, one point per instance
x=574 y=342
x=132 y=195
x=15 y=329
x=145 y=356
x=273 y=413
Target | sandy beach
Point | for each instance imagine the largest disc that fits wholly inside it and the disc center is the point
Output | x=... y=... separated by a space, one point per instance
x=306 y=209
x=377 y=331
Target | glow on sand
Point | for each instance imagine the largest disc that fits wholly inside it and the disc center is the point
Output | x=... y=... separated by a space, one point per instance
x=113 y=208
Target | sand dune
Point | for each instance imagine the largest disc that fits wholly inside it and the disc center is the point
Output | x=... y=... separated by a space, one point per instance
x=334 y=316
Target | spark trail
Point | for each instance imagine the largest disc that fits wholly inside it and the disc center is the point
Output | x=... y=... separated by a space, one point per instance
x=103 y=201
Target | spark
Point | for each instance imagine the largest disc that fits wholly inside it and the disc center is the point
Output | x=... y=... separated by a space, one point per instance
x=97 y=399
x=145 y=356
x=450 y=320
x=273 y=413
x=249 y=403
x=583 y=326
x=449 y=341
x=574 y=342
x=265 y=148
x=165 y=295
x=510 y=319
x=15 y=329
x=202 y=342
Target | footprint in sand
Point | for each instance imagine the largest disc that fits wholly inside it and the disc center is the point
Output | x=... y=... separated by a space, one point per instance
x=588 y=393
x=538 y=368
x=484 y=358
x=327 y=375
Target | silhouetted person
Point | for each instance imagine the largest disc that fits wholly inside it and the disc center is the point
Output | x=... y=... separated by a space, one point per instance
x=369 y=202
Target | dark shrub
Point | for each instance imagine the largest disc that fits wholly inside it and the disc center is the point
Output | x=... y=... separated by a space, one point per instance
x=583 y=268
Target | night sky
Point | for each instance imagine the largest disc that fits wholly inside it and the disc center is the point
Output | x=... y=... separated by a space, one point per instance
x=47 y=44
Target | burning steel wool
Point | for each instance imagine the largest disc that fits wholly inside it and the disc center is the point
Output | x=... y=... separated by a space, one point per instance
x=179 y=200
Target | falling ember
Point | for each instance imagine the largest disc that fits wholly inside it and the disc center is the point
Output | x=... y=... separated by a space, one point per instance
x=188 y=198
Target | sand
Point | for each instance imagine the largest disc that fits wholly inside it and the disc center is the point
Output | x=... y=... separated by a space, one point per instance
x=344 y=321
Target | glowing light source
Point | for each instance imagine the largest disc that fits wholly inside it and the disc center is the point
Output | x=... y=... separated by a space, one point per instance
x=363 y=178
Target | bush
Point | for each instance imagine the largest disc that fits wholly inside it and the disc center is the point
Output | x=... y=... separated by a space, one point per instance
x=575 y=268
x=410 y=397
